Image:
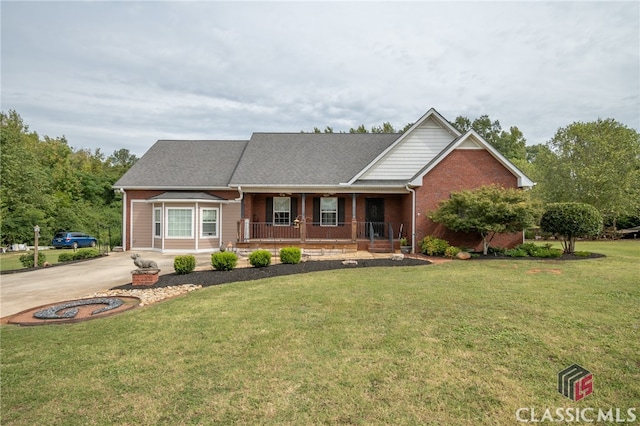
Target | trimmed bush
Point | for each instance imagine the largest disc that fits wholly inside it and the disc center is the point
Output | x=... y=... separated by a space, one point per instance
x=224 y=260
x=27 y=259
x=184 y=264
x=86 y=253
x=451 y=252
x=433 y=246
x=65 y=257
x=582 y=253
x=571 y=221
x=290 y=255
x=260 y=258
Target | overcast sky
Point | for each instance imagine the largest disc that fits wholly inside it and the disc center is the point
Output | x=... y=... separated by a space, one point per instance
x=114 y=75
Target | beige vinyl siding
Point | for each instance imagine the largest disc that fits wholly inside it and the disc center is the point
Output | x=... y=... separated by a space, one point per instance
x=179 y=244
x=229 y=226
x=142 y=225
x=413 y=153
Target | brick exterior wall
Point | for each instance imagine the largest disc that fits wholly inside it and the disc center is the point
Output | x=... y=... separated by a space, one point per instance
x=461 y=169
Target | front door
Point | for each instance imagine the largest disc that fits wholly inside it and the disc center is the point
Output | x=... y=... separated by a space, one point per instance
x=374 y=216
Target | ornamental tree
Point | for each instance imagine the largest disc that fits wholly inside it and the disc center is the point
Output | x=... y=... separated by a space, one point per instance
x=488 y=210
x=571 y=221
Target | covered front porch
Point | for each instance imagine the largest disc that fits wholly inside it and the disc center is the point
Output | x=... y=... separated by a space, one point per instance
x=336 y=222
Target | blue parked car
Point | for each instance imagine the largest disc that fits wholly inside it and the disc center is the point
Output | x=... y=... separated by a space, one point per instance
x=73 y=240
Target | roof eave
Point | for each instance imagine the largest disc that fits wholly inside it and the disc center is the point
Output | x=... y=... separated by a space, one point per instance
x=171 y=188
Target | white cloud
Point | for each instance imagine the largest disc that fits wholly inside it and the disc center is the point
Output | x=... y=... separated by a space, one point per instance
x=121 y=74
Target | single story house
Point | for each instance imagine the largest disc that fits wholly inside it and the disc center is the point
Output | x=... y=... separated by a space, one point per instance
x=317 y=191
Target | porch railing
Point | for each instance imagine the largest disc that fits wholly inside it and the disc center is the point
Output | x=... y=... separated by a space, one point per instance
x=309 y=231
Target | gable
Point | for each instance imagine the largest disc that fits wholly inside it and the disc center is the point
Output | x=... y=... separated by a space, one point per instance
x=472 y=141
x=409 y=156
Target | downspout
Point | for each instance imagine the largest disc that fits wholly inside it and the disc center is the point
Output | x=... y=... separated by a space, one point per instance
x=124 y=218
x=241 y=197
x=413 y=218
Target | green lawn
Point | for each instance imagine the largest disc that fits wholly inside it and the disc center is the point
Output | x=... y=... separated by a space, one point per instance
x=11 y=261
x=464 y=343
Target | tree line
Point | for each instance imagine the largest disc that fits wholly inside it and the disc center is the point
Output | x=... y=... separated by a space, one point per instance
x=46 y=182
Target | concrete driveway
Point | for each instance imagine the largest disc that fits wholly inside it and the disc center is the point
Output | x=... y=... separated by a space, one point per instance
x=26 y=290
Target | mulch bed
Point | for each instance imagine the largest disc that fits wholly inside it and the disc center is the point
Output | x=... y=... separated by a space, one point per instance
x=210 y=278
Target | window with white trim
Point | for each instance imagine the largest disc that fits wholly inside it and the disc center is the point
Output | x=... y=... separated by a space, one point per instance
x=209 y=223
x=157 y=222
x=329 y=211
x=179 y=222
x=282 y=211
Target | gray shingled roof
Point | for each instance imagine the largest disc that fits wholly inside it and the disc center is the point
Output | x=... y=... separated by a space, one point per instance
x=185 y=164
x=308 y=158
x=266 y=159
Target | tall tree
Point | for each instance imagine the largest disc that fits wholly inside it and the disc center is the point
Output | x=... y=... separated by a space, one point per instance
x=511 y=144
x=25 y=193
x=45 y=182
x=596 y=163
x=386 y=127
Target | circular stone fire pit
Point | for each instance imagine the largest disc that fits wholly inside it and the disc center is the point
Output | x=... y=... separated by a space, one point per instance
x=75 y=310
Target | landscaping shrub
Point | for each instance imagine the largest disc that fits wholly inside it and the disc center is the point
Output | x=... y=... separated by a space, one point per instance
x=582 y=253
x=516 y=252
x=451 y=252
x=548 y=252
x=495 y=250
x=529 y=248
x=224 y=260
x=86 y=253
x=27 y=259
x=433 y=246
x=260 y=258
x=290 y=255
x=184 y=264
x=65 y=257
x=571 y=221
